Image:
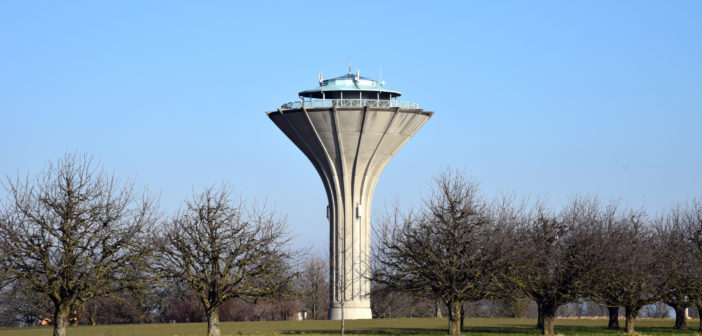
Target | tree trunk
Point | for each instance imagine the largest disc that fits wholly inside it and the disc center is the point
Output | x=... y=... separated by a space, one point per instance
x=342 y=318
x=680 y=321
x=455 y=318
x=539 y=319
x=547 y=311
x=613 y=318
x=548 y=324
x=61 y=312
x=463 y=315
x=540 y=316
x=699 y=313
x=213 y=322
x=630 y=313
x=437 y=309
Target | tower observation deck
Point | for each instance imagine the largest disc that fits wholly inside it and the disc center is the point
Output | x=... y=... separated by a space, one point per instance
x=349 y=90
x=349 y=128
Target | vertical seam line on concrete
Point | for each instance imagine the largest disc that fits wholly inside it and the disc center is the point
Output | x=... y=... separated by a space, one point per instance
x=408 y=137
x=332 y=199
x=410 y=134
x=334 y=177
x=344 y=189
x=364 y=191
x=318 y=164
x=358 y=147
x=360 y=195
x=375 y=150
x=338 y=146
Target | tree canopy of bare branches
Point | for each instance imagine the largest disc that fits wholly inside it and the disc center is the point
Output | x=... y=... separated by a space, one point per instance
x=451 y=248
x=626 y=274
x=22 y=306
x=680 y=280
x=555 y=254
x=314 y=286
x=680 y=235
x=73 y=233
x=224 y=249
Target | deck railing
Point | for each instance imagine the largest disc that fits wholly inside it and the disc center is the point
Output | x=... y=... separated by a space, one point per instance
x=348 y=102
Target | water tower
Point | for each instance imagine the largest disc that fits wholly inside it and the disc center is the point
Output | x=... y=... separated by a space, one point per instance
x=349 y=128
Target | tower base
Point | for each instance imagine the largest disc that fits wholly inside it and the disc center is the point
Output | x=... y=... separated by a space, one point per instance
x=351 y=313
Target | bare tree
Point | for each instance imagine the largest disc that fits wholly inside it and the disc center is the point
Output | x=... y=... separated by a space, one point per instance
x=224 y=249
x=387 y=304
x=680 y=281
x=555 y=253
x=690 y=217
x=451 y=248
x=314 y=286
x=73 y=233
x=121 y=308
x=603 y=287
x=627 y=275
x=22 y=306
x=657 y=310
x=4 y=280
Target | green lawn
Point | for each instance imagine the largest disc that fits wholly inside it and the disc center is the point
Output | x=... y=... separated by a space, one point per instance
x=405 y=326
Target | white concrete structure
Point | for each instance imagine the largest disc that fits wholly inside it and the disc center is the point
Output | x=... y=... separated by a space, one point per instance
x=349 y=128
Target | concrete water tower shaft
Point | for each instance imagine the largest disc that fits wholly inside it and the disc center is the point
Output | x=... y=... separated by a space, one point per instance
x=349 y=128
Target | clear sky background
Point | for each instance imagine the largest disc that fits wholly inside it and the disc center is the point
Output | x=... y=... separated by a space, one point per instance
x=543 y=99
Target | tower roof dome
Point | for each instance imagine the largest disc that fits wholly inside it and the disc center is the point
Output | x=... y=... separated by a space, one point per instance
x=352 y=83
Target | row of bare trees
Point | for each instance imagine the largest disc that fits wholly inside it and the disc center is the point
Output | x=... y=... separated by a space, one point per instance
x=77 y=242
x=459 y=248
x=75 y=235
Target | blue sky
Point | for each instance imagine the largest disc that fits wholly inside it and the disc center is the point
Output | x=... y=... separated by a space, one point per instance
x=543 y=99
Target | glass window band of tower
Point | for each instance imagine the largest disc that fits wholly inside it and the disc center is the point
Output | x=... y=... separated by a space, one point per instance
x=347 y=102
x=349 y=90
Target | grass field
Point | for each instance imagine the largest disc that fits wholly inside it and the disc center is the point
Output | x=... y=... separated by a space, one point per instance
x=404 y=326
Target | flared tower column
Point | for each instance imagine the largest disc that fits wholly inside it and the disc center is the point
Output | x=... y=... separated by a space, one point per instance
x=349 y=147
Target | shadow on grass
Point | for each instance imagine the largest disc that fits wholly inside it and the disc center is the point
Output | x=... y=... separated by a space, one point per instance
x=426 y=331
x=500 y=331
x=379 y=331
x=514 y=330
x=666 y=331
